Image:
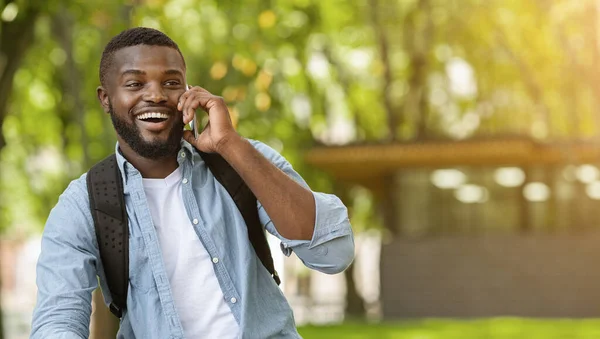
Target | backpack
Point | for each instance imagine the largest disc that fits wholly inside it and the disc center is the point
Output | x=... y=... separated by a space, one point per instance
x=107 y=204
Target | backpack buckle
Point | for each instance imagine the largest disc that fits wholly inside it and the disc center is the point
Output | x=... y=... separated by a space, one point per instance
x=276 y=278
x=116 y=310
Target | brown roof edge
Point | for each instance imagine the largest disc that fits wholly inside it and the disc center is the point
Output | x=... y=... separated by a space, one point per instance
x=363 y=161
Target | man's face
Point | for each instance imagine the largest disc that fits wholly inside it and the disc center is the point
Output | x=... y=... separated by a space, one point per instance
x=141 y=93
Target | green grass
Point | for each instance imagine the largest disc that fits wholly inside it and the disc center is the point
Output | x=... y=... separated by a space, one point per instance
x=495 y=328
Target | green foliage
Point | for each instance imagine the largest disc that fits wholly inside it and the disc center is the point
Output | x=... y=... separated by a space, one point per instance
x=296 y=73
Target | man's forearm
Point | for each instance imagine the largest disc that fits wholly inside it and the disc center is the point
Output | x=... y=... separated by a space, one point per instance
x=290 y=206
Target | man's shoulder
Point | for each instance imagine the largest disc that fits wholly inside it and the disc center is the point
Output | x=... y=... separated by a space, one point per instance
x=76 y=193
x=71 y=212
x=77 y=186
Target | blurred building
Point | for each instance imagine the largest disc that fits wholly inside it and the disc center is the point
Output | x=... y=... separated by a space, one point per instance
x=483 y=227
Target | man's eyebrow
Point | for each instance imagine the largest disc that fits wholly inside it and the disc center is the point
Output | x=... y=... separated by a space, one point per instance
x=133 y=71
x=173 y=72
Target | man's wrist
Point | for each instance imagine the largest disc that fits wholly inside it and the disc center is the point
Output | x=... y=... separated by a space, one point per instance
x=228 y=145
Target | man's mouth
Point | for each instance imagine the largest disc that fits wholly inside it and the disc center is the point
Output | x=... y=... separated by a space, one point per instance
x=153 y=117
x=154 y=122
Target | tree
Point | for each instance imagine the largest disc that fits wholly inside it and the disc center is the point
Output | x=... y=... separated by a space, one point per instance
x=12 y=51
x=296 y=73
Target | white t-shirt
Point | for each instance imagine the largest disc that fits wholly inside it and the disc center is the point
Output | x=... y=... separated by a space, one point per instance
x=196 y=291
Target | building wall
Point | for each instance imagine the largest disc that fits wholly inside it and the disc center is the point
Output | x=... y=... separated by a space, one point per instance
x=538 y=275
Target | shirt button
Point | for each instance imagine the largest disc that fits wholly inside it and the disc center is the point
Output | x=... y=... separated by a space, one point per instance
x=233 y=300
x=183 y=154
x=185 y=181
x=195 y=221
x=215 y=260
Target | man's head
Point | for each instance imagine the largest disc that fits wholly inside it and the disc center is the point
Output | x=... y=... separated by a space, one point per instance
x=142 y=76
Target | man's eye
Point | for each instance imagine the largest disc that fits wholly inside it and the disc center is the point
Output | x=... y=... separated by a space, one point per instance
x=133 y=84
x=172 y=83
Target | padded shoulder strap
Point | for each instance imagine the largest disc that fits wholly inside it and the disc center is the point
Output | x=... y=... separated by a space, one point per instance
x=246 y=203
x=105 y=189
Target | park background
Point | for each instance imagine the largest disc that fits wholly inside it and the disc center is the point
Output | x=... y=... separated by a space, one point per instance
x=463 y=135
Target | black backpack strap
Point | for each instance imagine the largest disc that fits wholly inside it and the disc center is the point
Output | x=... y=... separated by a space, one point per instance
x=107 y=204
x=245 y=200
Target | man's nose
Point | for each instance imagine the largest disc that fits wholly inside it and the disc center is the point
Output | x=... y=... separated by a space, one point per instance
x=155 y=93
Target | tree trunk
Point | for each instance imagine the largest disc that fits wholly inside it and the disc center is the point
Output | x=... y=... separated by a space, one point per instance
x=12 y=53
x=383 y=46
x=355 y=305
x=72 y=107
x=524 y=210
x=422 y=113
x=418 y=31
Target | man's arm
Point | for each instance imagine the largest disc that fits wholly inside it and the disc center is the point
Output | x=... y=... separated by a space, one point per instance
x=290 y=205
x=314 y=225
x=330 y=248
x=66 y=269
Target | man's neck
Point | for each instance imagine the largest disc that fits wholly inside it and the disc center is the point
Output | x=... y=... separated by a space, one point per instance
x=150 y=168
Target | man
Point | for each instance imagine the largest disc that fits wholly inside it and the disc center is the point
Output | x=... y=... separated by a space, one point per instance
x=192 y=271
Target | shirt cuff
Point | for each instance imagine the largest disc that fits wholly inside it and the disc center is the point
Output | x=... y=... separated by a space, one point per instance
x=331 y=222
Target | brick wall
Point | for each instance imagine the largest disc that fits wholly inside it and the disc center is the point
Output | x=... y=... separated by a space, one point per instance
x=476 y=276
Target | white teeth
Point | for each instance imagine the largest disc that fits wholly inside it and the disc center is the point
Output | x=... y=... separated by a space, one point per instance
x=151 y=115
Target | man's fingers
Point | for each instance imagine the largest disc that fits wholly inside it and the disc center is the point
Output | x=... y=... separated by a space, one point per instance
x=203 y=142
x=193 y=102
x=188 y=108
x=196 y=98
x=182 y=98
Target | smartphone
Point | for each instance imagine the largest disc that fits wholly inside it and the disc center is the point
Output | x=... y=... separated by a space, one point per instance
x=193 y=123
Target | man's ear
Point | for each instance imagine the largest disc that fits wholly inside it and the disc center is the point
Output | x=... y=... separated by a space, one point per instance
x=103 y=98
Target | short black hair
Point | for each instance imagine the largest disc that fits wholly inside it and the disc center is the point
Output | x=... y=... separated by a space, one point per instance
x=133 y=37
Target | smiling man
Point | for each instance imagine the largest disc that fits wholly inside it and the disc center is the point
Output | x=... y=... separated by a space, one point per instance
x=192 y=270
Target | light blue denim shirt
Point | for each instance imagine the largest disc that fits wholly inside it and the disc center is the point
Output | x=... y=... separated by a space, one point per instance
x=69 y=263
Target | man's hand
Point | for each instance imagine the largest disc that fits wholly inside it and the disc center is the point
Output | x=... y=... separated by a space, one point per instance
x=219 y=129
x=290 y=205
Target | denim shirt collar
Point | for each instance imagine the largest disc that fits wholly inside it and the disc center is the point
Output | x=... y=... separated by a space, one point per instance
x=127 y=169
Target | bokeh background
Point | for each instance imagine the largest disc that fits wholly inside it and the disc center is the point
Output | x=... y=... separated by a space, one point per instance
x=463 y=135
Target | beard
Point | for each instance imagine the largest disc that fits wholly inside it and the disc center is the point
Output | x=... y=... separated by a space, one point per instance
x=156 y=149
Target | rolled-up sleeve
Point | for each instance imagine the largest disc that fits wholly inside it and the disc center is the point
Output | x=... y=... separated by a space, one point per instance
x=331 y=249
x=66 y=270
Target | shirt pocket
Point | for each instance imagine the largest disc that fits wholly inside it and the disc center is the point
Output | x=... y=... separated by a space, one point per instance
x=140 y=272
